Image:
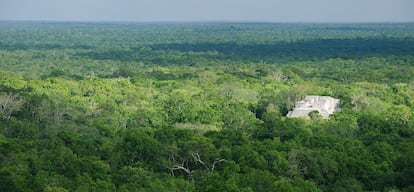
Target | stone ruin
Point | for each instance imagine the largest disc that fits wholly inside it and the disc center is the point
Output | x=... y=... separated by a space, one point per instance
x=325 y=105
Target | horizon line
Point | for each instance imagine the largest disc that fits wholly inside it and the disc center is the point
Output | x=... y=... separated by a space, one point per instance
x=202 y=21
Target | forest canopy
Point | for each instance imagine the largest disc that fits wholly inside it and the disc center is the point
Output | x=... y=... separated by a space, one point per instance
x=202 y=106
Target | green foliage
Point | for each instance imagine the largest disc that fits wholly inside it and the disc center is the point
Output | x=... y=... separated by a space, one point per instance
x=201 y=107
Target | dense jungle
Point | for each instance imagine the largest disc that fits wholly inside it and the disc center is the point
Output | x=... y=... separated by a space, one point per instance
x=101 y=106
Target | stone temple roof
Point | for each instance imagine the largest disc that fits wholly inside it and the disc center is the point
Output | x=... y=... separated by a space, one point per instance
x=325 y=105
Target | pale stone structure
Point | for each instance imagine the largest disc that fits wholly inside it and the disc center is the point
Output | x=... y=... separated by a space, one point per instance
x=325 y=105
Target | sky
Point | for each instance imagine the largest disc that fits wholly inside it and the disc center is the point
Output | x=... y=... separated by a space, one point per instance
x=209 y=10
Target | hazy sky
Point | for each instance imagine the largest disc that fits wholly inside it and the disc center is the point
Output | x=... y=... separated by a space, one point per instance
x=210 y=10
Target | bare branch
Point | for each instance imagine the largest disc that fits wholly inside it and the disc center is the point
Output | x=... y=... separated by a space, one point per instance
x=180 y=167
x=9 y=104
x=216 y=162
x=197 y=158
